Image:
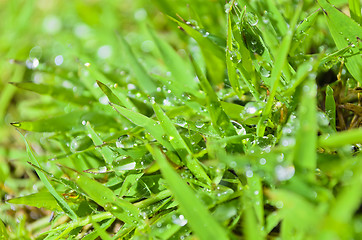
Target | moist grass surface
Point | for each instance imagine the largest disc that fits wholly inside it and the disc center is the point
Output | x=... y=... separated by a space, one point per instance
x=180 y=119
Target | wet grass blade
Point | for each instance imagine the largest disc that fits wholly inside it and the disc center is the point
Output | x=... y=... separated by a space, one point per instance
x=59 y=93
x=66 y=228
x=197 y=215
x=152 y=126
x=62 y=203
x=3 y=232
x=104 y=150
x=68 y=122
x=143 y=79
x=349 y=198
x=213 y=55
x=103 y=196
x=179 y=144
x=181 y=70
x=355 y=10
x=341 y=139
x=39 y=200
x=302 y=30
x=330 y=107
x=305 y=157
x=229 y=64
x=277 y=71
x=123 y=101
x=345 y=32
x=220 y=120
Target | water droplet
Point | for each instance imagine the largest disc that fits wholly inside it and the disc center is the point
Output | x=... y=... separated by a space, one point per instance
x=52 y=24
x=249 y=173
x=58 y=60
x=251 y=108
x=181 y=122
x=104 y=51
x=262 y=161
x=284 y=173
x=252 y=18
x=199 y=124
x=140 y=15
x=179 y=220
x=264 y=72
x=279 y=204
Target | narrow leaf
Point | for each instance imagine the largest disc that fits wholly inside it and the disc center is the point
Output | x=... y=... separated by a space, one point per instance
x=197 y=215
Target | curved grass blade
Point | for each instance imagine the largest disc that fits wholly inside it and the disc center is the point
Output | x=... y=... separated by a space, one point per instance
x=59 y=93
x=150 y=125
x=345 y=32
x=197 y=215
x=105 y=197
x=142 y=77
x=179 y=144
x=62 y=203
x=355 y=10
x=213 y=55
x=301 y=31
x=39 y=200
x=123 y=101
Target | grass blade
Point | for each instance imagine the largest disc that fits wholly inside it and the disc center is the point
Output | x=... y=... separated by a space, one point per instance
x=355 y=10
x=305 y=156
x=179 y=144
x=59 y=93
x=62 y=203
x=104 y=150
x=103 y=196
x=142 y=77
x=67 y=122
x=39 y=200
x=123 y=101
x=331 y=107
x=197 y=215
x=341 y=139
x=345 y=32
x=181 y=71
x=213 y=55
x=219 y=119
x=277 y=71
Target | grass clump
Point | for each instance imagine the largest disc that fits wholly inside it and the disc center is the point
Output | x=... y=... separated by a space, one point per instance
x=187 y=120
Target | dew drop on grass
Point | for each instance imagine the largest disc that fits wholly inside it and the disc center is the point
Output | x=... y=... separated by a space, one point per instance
x=199 y=124
x=104 y=52
x=279 y=204
x=264 y=72
x=252 y=18
x=249 y=173
x=179 y=220
x=251 y=108
x=181 y=122
x=262 y=161
x=284 y=173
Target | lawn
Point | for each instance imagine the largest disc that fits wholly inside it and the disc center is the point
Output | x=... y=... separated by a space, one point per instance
x=181 y=119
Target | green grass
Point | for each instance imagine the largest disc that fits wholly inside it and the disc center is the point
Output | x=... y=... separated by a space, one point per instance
x=180 y=120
